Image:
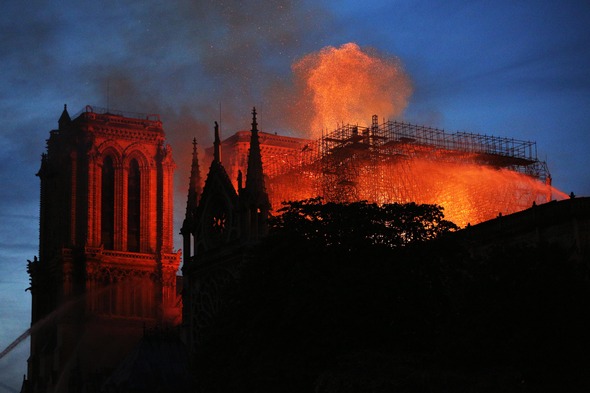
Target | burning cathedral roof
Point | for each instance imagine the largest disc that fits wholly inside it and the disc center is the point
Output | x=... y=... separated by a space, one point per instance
x=474 y=177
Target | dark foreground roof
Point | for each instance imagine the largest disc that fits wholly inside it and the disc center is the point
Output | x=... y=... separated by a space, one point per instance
x=159 y=363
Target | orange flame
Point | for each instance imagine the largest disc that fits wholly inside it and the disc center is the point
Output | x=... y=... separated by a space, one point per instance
x=349 y=84
x=469 y=193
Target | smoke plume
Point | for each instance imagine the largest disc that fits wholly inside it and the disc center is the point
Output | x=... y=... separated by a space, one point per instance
x=196 y=62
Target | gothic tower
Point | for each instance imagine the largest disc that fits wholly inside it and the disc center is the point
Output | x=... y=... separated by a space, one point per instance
x=254 y=199
x=224 y=225
x=106 y=268
x=194 y=193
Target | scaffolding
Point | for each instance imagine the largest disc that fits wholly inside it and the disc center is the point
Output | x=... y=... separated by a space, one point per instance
x=393 y=139
x=473 y=176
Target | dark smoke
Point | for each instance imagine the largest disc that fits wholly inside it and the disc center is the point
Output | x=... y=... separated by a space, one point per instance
x=185 y=58
x=195 y=62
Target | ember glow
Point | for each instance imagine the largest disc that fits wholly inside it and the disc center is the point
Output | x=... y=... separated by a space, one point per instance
x=469 y=193
x=349 y=84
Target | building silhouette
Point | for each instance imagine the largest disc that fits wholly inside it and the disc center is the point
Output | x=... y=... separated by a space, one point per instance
x=104 y=287
x=106 y=298
x=218 y=232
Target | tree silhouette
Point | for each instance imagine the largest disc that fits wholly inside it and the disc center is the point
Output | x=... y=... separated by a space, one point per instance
x=361 y=224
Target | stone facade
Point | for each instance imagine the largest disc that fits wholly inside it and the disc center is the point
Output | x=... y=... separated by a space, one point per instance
x=106 y=268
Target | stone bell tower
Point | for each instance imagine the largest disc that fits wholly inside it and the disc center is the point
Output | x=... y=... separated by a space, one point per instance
x=106 y=268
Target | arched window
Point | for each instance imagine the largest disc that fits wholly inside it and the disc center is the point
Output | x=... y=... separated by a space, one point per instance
x=133 y=206
x=107 y=217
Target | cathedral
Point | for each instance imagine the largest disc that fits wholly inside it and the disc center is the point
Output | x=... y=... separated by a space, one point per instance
x=110 y=312
x=105 y=284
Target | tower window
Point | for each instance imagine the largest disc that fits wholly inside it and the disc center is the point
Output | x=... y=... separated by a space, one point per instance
x=108 y=204
x=133 y=206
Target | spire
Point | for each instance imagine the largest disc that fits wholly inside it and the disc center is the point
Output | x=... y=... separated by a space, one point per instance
x=194 y=190
x=255 y=202
x=64 y=119
x=255 y=176
x=254 y=123
x=195 y=181
x=217 y=145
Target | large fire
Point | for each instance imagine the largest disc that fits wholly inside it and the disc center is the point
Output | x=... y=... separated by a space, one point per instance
x=470 y=193
x=348 y=84
x=473 y=177
x=464 y=202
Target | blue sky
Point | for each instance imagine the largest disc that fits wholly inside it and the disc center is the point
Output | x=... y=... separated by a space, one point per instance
x=516 y=69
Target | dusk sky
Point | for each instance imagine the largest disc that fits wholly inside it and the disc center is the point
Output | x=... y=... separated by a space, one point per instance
x=506 y=68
